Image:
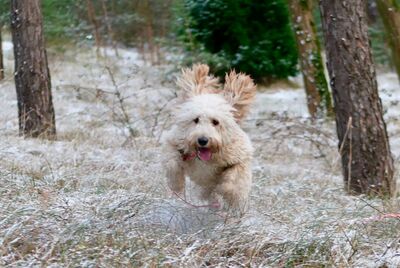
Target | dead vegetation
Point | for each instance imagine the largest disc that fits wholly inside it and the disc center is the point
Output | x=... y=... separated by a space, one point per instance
x=92 y=199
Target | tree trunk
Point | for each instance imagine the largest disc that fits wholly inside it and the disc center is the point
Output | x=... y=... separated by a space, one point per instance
x=372 y=12
x=149 y=31
x=366 y=159
x=318 y=96
x=1 y=55
x=109 y=27
x=390 y=13
x=92 y=18
x=32 y=76
x=145 y=12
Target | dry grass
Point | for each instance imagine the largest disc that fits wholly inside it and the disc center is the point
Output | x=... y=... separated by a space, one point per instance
x=97 y=197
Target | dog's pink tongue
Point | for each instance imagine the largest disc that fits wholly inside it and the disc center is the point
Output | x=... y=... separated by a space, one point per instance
x=205 y=154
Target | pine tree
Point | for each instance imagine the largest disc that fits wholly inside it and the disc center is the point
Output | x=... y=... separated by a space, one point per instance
x=367 y=162
x=254 y=36
x=32 y=76
x=318 y=96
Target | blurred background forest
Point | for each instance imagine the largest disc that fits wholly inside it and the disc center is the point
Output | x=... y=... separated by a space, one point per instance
x=250 y=36
x=95 y=194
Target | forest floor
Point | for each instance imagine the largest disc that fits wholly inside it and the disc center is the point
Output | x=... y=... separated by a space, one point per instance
x=97 y=196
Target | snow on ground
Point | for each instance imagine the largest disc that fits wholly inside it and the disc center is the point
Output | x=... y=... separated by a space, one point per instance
x=97 y=196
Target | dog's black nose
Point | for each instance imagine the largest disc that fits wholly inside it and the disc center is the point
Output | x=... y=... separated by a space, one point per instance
x=202 y=141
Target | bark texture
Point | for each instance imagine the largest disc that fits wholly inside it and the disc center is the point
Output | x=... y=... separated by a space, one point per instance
x=319 y=100
x=32 y=76
x=390 y=13
x=366 y=158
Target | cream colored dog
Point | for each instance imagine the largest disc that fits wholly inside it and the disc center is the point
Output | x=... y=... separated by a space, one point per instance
x=206 y=142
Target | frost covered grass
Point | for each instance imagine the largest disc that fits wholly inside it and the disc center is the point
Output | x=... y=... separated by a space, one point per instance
x=97 y=196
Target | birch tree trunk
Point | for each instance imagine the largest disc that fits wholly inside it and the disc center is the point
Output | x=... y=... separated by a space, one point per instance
x=319 y=100
x=32 y=76
x=363 y=141
x=390 y=13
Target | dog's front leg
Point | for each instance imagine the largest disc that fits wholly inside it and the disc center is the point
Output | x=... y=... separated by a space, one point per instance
x=175 y=174
x=235 y=185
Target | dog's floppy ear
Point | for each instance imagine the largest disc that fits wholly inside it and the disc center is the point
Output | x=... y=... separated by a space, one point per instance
x=197 y=81
x=239 y=91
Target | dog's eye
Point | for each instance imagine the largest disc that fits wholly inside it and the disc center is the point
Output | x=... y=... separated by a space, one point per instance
x=196 y=120
x=215 y=122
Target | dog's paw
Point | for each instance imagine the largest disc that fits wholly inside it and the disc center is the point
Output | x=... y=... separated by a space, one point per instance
x=216 y=205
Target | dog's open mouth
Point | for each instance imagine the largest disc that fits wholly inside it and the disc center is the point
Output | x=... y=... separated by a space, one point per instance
x=204 y=154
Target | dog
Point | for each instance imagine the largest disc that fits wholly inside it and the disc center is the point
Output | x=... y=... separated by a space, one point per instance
x=206 y=142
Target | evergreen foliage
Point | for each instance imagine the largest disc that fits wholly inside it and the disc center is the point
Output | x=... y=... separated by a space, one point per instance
x=60 y=19
x=248 y=35
x=254 y=36
x=67 y=21
x=5 y=6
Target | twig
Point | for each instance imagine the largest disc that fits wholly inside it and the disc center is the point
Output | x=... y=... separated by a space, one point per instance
x=126 y=119
x=156 y=118
x=349 y=125
x=190 y=204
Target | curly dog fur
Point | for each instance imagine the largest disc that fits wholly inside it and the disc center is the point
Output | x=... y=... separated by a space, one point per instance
x=206 y=142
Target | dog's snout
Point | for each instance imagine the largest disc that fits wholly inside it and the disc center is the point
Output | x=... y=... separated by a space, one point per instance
x=202 y=141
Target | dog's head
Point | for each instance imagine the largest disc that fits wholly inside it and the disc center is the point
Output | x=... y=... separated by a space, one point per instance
x=210 y=113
